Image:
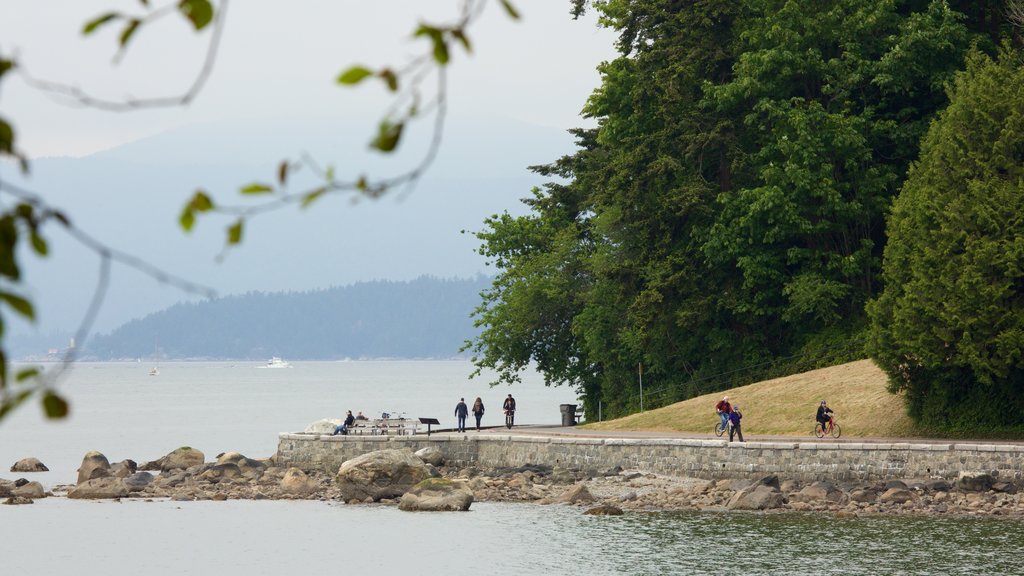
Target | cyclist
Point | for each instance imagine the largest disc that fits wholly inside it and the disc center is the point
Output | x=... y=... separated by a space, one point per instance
x=823 y=415
x=510 y=410
x=723 y=409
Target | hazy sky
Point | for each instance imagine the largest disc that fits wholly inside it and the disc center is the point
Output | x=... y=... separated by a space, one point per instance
x=273 y=95
x=279 y=60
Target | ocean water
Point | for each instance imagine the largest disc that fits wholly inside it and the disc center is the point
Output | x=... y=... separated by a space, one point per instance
x=121 y=411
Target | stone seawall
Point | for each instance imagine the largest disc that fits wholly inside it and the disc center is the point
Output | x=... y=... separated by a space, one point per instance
x=805 y=461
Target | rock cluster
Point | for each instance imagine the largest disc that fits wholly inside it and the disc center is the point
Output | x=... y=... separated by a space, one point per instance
x=422 y=481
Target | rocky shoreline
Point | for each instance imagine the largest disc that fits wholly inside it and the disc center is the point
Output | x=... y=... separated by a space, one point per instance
x=424 y=481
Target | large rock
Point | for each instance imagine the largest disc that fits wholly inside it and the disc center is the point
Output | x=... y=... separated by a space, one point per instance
x=109 y=487
x=296 y=482
x=247 y=466
x=974 y=481
x=218 y=472
x=896 y=495
x=15 y=500
x=184 y=457
x=578 y=494
x=437 y=495
x=6 y=487
x=29 y=465
x=431 y=455
x=757 y=497
x=323 y=426
x=819 y=493
x=138 y=481
x=380 y=474
x=124 y=468
x=94 y=465
x=32 y=490
x=604 y=510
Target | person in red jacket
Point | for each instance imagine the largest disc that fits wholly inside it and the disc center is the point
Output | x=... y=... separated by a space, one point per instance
x=723 y=409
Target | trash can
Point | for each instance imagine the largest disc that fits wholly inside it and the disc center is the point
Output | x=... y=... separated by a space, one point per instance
x=568 y=414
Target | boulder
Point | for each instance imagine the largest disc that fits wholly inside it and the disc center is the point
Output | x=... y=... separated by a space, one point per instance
x=14 y=500
x=323 y=426
x=437 y=495
x=431 y=455
x=578 y=494
x=32 y=490
x=863 y=495
x=937 y=485
x=1004 y=487
x=604 y=510
x=818 y=493
x=974 y=481
x=296 y=482
x=380 y=474
x=896 y=496
x=138 y=481
x=124 y=468
x=184 y=457
x=217 y=472
x=29 y=465
x=94 y=465
x=247 y=466
x=757 y=497
x=96 y=488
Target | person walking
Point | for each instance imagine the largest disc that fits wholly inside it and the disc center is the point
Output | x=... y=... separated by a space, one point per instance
x=478 y=411
x=734 y=417
x=510 y=411
x=461 y=411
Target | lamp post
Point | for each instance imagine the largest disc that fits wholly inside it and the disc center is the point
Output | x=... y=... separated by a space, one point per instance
x=640 y=372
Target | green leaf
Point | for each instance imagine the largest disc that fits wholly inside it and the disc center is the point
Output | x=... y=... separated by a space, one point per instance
x=10 y=404
x=354 y=75
x=54 y=406
x=187 y=219
x=95 y=23
x=129 y=30
x=8 y=243
x=201 y=202
x=6 y=138
x=510 y=9
x=19 y=304
x=199 y=12
x=235 y=233
x=5 y=65
x=39 y=244
x=312 y=196
x=459 y=35
x=256 y=188
x=390 y=78
x=388 y=136
x=436 y=36
x=26 y=374
x=282 y=172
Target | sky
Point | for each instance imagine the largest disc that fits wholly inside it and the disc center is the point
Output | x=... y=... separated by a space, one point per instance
x=123 y=176
x=279 y=60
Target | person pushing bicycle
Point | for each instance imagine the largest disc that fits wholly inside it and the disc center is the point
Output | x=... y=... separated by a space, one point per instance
x=510 y=410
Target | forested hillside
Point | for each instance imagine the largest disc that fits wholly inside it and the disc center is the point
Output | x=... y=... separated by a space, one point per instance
x=422 y=318
x=728 y=214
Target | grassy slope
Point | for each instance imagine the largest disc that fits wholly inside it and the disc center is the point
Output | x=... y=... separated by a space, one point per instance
x=786 y=406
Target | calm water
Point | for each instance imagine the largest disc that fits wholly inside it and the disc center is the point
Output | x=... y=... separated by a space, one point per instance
x=124 y=413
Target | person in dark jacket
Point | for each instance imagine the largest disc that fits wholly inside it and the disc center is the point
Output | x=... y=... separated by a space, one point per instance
x=478 y=411
x=461 y=411
x=734 y=418
x=343 y=429
x=510 y=411
x=823 y=415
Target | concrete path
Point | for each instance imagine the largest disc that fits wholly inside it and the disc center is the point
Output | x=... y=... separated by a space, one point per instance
x=580 y=432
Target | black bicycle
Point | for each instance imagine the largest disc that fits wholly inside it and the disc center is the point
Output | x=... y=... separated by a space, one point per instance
x=510 y=416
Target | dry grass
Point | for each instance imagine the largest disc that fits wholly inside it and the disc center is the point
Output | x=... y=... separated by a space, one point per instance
x=786 y=406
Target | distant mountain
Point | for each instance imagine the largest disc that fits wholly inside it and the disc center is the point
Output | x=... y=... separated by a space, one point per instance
x=423 y=318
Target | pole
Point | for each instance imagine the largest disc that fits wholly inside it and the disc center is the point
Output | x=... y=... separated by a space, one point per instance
x=640 y=371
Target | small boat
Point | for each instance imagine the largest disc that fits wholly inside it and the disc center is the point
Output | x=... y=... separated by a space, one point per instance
x=153 y=371
x=276 y=362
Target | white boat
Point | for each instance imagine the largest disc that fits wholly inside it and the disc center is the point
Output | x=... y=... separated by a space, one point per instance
x=276 y=362
x=153 y=371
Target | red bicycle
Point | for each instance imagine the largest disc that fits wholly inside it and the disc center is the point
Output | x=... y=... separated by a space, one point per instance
x=831 y=427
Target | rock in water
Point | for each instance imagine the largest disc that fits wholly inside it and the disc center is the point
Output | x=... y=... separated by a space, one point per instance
x=604 y=510
x=576 y=495
x=29 y=465
x=296 y=482
x=94 y=465
x=431 y=455
x=184 y=457
x=18 y=500
x=109 y=487
x=380 y=474
x=33 y=490
x=437 y=495
x=758 y=497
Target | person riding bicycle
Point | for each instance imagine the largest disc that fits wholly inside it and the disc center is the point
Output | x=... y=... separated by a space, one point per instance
x=823 y=415
x=723 y=409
